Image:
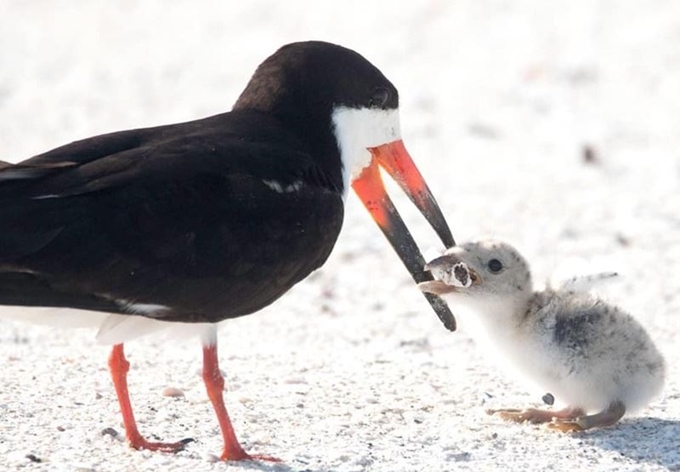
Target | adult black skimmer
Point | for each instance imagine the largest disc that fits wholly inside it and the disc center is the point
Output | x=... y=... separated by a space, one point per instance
x=593 y=357
x=211 y=219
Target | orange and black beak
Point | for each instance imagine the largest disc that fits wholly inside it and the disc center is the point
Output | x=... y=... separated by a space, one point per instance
x=396 y=161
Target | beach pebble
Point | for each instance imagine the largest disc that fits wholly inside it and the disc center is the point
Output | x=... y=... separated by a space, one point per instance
x=172 y=392
x=109 y=432
x=548 y=399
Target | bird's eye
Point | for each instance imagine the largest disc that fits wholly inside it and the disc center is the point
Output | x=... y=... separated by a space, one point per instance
x=379 y=98
x=495 y=266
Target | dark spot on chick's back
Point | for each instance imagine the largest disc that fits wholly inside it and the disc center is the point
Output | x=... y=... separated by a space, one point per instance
x=573 y=330
x=654 y=366
x=589 y=154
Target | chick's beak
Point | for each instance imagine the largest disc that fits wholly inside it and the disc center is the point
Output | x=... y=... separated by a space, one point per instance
x=449 y=268
x=436 y=287
x=396 y=161
x=435 y=266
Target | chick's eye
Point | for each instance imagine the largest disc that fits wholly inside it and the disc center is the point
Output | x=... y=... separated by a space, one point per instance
x=379 y=98
x=495 y=266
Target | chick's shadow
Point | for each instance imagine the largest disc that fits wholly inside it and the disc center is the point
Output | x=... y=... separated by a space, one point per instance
x=643 y=439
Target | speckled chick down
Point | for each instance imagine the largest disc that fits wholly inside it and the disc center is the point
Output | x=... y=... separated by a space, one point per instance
x=588 y=353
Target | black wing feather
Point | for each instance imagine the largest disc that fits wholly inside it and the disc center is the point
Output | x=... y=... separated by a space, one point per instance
x=177 y=216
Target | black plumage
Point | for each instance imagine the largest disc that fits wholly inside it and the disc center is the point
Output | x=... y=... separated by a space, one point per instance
x=179 y=216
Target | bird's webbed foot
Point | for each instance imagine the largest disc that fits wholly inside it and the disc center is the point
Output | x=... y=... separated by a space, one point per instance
x=584 y=422
x=535 y=415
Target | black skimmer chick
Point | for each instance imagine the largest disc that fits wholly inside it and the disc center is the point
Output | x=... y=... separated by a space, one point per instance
x=197 y=222
x=590 y=355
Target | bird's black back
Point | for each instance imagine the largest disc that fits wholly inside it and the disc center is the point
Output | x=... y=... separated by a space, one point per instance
x=178 y=215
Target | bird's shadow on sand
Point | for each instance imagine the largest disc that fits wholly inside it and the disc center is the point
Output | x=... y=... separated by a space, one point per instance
x=645 y=439
x=264 y=466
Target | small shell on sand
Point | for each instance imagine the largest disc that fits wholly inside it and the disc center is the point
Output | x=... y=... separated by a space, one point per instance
x=172 y=392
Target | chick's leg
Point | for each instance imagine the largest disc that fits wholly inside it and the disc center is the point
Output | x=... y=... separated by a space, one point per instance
x=599 y=420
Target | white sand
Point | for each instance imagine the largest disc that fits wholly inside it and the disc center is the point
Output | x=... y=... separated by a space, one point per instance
x=351 y=371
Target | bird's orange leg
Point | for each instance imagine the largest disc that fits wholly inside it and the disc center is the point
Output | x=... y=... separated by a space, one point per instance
x=119 y=366
x=214 y=384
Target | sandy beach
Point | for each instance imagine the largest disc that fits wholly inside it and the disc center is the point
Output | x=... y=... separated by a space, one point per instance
x=552 y=125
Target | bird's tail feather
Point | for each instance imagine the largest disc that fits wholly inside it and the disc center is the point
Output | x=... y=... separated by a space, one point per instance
x=26 y=289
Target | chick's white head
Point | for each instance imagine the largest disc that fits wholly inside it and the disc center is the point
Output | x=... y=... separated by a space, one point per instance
x=487 y=277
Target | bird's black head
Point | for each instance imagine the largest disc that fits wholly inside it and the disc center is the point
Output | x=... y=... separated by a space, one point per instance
x=305 y=84
x=308 y=79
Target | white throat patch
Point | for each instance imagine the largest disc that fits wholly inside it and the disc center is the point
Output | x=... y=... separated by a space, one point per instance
x=356 y=130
